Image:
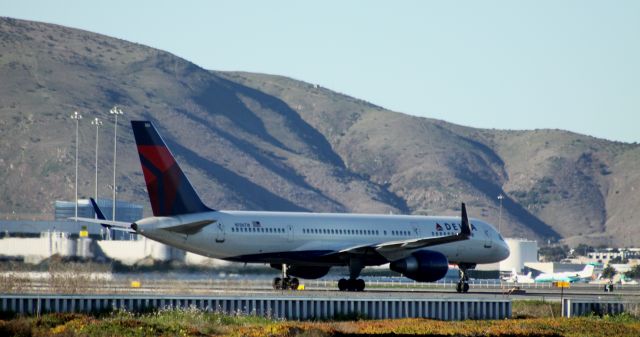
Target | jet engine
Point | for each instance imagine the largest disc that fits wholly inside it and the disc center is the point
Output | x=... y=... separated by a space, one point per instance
x=305 y=272
x=422 y=266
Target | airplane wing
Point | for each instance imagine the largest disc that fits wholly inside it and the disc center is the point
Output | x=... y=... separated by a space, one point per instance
x=395 y=249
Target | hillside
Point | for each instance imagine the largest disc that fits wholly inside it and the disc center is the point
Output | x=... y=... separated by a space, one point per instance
x=254 y=141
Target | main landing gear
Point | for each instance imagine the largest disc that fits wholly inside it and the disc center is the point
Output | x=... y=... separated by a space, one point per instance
x=463 y=284
x=353 y=283
x=285 y=282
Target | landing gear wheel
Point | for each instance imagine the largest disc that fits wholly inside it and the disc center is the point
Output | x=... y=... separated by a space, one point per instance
x=343 y=284
x=294 y=283
x=351 y=284
x=463 y=284
x=359 y=285
x=277 y=283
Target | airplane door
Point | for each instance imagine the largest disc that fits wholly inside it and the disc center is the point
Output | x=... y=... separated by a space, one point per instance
x=416 y=229
x=487 y=239
x=289 y=233
x=220 y=232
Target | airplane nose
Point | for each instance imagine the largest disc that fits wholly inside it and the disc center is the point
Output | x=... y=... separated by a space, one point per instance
x=504 y=250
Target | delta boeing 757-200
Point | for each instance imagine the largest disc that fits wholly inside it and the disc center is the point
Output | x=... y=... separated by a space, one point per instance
x=304 y=245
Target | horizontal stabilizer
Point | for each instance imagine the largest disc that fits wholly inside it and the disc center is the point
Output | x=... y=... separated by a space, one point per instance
x=113 y=224
x=189 y=228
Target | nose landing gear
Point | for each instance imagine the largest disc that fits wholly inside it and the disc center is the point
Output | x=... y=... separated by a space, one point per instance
x=463 y=284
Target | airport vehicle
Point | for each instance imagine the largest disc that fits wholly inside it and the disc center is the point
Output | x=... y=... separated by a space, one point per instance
x=518 y=278
x=304 y=245
x=568 y=276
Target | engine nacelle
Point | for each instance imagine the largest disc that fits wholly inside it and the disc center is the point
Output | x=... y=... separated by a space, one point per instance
x=305 y=272
x=422 y=266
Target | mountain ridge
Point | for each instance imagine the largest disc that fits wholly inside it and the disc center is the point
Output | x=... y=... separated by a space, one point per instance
x=257 y=141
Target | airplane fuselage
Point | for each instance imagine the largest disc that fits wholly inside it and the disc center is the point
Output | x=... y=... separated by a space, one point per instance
x=311 y=238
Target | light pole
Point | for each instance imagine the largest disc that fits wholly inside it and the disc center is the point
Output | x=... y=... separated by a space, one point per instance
x=97 y=122
x=115 y=111
x=500 y=197
x=77 y=117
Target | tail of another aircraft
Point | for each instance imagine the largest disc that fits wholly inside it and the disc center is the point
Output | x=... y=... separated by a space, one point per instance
x=170 y=192
x=587 y=272
x=98 y=211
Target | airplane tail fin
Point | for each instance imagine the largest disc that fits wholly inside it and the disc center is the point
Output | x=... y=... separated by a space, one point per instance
x=99 y=214
x=587 y=271
x=97 y=209
x=170 y=192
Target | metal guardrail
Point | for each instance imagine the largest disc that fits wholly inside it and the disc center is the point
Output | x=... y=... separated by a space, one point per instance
x=579 y=307
x=294 y=308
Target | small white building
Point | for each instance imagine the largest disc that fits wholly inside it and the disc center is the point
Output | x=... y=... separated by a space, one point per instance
x=522 y=251
x=605 y=255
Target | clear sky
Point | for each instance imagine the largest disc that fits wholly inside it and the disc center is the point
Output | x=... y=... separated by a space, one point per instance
x=571 y=65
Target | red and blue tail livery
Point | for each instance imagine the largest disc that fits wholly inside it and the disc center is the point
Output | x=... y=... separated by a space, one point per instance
x=170 y=192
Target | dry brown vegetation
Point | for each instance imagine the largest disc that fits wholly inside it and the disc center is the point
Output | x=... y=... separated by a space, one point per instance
x=192 y=322
x=260 y=142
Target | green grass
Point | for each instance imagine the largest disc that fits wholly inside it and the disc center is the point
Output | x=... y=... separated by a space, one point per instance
x=536 y=309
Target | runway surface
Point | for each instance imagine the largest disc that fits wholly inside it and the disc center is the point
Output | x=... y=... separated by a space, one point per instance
x=133 y=284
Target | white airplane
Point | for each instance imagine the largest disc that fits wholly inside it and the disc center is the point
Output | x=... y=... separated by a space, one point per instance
x=568 y=276
x=304 y=245
x=518 y=278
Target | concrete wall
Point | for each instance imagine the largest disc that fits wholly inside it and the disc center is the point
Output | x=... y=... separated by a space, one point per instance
x=35 y=250
x=130 y=252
